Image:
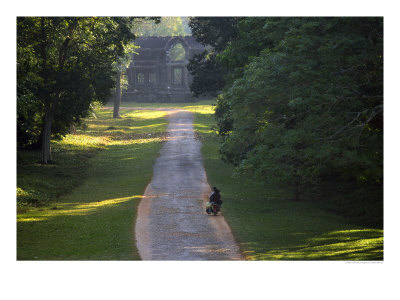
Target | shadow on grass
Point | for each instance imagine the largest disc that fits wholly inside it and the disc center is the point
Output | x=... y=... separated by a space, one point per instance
x=93 y=218
x=73 y=209
x=95 y=221
x=83 y=231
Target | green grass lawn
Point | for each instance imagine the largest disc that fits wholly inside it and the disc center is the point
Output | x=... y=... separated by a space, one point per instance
x=83 y=207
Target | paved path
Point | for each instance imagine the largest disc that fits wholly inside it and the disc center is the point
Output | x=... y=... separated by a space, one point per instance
x=172 y=223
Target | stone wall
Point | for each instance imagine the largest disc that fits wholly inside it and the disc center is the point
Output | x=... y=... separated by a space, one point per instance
x=154 y=77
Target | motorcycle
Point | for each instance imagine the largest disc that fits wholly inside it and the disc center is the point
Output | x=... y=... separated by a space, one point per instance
x=212 y=208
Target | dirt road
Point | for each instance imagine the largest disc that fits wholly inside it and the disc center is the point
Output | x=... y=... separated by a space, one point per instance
x=172 y=223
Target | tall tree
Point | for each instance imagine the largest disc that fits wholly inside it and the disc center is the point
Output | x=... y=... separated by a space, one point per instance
x=69 y=62
x=120 y=66
x=123 y=62
x=215 y=33
x=309 y=106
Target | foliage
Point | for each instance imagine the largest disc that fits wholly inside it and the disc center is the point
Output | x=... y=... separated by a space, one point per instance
x=307 y=107
x=185 y=24
x=177 y=52
x=208 y=75
x=267 y=226
x=120 y=66
x=29 y=121
x=167 y=26
x=64 y=65
x=122 y=62
x=252 y=38
x=215 y=34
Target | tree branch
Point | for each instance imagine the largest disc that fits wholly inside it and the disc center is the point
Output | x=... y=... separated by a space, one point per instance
x=375 y=111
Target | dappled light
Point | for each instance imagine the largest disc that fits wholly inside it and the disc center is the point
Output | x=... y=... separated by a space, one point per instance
x=146 y=114
x=130 y=115
x=137 y=141
x=201 y=109
x=134 y=127
x=353 y=244
x=204 y=129
x=82 y=141
x=77 y=207
x=72 y=209
x=180 y=131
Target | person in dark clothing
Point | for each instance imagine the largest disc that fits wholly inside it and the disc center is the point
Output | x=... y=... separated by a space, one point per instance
x=216 y=197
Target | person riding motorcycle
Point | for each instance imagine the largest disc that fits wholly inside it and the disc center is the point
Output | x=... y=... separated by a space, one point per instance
x=215 y=197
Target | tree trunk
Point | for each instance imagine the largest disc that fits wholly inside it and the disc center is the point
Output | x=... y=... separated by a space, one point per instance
x=72 y=129
x=48 y=115
x=46 y=149
x=117 y=99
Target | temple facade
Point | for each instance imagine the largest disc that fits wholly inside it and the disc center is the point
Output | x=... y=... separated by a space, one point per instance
x=158 y=72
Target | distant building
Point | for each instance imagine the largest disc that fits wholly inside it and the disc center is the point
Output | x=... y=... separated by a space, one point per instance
x=158 y=73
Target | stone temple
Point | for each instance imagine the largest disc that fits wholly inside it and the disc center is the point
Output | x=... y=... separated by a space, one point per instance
x=158 y=72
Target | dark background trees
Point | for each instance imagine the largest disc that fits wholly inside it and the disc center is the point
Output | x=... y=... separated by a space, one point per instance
x=302 y=105
x=215 y=34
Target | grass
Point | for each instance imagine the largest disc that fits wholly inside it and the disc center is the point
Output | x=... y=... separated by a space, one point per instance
x=201 y=104
x=85 y=204
x=267 y=226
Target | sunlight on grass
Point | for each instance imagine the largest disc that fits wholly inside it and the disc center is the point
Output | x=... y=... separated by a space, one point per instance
x=145 y=114
x=184 y=105
x=22 y=193
x=201 y=109
x=71 y=209
x=82 y=141
x=355 y=244
x=83 y=205
x=134 y=127
x=203 y=128
x=125 y=116
x=136 y=141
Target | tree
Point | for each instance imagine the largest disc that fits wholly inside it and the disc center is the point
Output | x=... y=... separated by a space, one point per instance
x=64 y=64
x=309 y=105
x=120 y=66
x=215 y=33
x=164 y=26
x=208 y=75
x=123 y=62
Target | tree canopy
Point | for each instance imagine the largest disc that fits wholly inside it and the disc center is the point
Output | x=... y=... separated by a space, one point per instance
x=167 y=26
x=63 y=65
x=302 y=101
x=215 y=34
